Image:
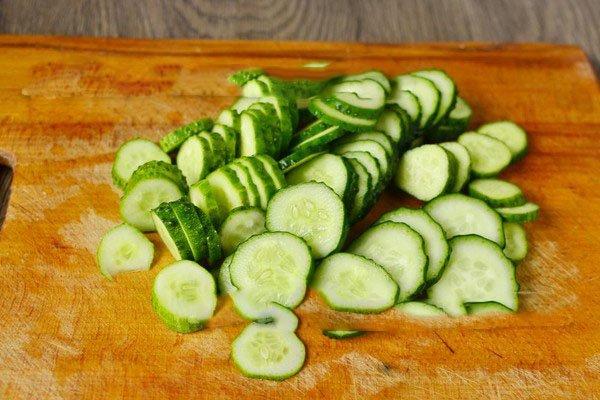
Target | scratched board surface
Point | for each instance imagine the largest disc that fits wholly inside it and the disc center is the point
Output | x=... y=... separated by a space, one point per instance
x=68 y=333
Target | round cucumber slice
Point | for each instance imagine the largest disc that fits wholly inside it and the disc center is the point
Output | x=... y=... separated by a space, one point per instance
x=124 y=248
x=496 y=192
x=239 y=225
x=525 y=213
x=195 y=159
x=509 y=133
x=131 y=155
x=184 y=296
x=516 y=241
x=463 y=164
x=420 y=309
x=489 y=156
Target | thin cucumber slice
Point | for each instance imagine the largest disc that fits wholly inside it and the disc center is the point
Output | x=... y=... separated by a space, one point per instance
x=447 y=89
x=312 y=211
x=489 y=156
x=375 y=75
x=426 y=92
x=273 y=170
x=391 y=124
x=218 y=148
x=253 y=137
x=496 y=192
x=509 y=133
x=298 y=158
x=324 y=110
x=131 y=155
x=309 y=131
x=525 y=213
x=516 y=241
x=269 y=121
x=352 y=283
x=375 y=136
x=228 y=190
x=267 y=313
x=213 y=243
x=173 y=140
x=171 y=232
x=434 y=241
x=364 y=98
x=420 y=309
x=487 y=308
x=241 y=224
x=463 y=164
x=184 y=296
x=426 y=172
x=156 y=169
x=195 y=159
x=319 y=140
x=459 y=215
x=372 y=166
x=229 y=118
x=202 y=196
x=224 y=278
x=272 y=267
x=264 y=352
x=122 y=249
x=456 y=123
x=261 y=179
x=192 y=226
x=243 y=174
x=399 y=250
x=362 y=200
x=477 y=271
x=373 y=148
x=408 y=102
x=339 y=334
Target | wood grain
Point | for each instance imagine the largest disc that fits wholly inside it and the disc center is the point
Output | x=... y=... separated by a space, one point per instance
x=68 y=333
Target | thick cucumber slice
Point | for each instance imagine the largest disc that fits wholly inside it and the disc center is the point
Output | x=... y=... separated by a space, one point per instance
x=229 y=118
x=362 y=200
x=516 y=241
x=131 y=155
x=324 y=110
x=239 y=225
x=228 y=190
x=455 y=124
x=408 y=102
x=375 y=136
x=298 y=158
x=391 y=124
x=426 y=172
x=463 y=164
x=420 y=309
x=173 y=140
x=192 y=227
x=525 y=213
x=434 y=241
x=447 y=89
x=195 y=159
x=275 y=314
x=171 y=232
x=399 y=250
x=319 y=139
x=202 y=196
x=337 y=334
x=273 y=170
x=265 y=352
x=489 y=156
x=372 y=166
x=509 y=133
x=272 y=267
x=253 y=137
x=364 y=98
x=477 y=271
x=426 y=92
x=371 y=147
x=375 y=75
x=261 y=179
x=245 y=178
x=224 y=278
x=458 y=215
x=311 y=211
x=184 y=296
x=352 y=283
x=122 y=249
x=487 y=308
x=496 y=192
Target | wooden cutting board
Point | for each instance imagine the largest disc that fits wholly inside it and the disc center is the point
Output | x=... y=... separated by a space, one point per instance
x=67 y=333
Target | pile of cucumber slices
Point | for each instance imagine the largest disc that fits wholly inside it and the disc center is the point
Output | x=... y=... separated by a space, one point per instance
x=257 y=204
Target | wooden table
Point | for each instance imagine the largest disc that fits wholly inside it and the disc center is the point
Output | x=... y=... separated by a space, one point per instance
x=68 y=333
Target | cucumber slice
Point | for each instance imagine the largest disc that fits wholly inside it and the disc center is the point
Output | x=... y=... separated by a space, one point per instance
x=265 y=352
x=434 y=241
x=184 y=296
x=202 y=196
x=447 y=89
x=487 y=308
x=174 y=139
x=477 y=271
x=375 y=75
x=496 y=192
x=427 y=93
x=192 y=227
x=399 y=250
x=261 y=179
x=241 y=224
x=373 y=148
x=324 y=110
x=339 y=334
x=298 y=158
x=509 y=133
x=273 y=170
x=426 y=172
x=229 y=118
x=463 y=164
x=217 y=147
x=228 y=190
x=224 y=278
x=319 y=139
x=122 y=249
x=269 y=121
x=243 y=103
x=516 y=241
x=372 y=166
x=420 y=309
x=275 y=314
x=243 y=174
x=255 y=88
x=272 y=267
x=408 y=102
x=456 y=123
x=252 y=136
x=311 y=211
x=170 y=231
x=213 y=243
x=525 y=213
x=195 y=159
x=352 y=283
x=362 y=200
x=458 y=215
x=392 y=123
x=364 y=98
x=131 y=155
x=156 y=169
x=286 y=112
x=489 y=156
x=375 y=136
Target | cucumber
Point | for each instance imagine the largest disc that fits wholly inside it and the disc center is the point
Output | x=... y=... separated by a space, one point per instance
x=487 y=308
x=243 y=174
x=243 y=103
x=391 y=123
x=458 y=215
x=171 y=232
x=253 y=136
x=434 y=241
x=426 y=92
x=426 y=172
x=374 y=75
x=298 y=158
x=372 y=166
x=122 y=249
x=228 y=190
x=361 y=98
x=447 y=89
x=224 y=278
x=324 y=109
x=362 y=200
x=192 y=226
x=399 y=250
x=463 y=164
x=184 y=296
x=272 y=267
x=375 y=136
x=273 y=170
x=174 y=139
x=229 y=118
x=509 y=133
x=269 y=121
x=318 y=140
x=489 y=156
x=516 y=241
x=274 y=314
x=156 y=169
x=131 y=155
x=260 y=177
x=202 y=196
x=195 y=159
x=348 y=282
x=340 y=334
x=255 y=88
x=420 y=309
x=239 y=225
x=524 y=213
x=477 y=271
x=373 y=148
x=456 y=123
x=312 y=211
x=496 y=192
x=408 y=102
x=213 y=243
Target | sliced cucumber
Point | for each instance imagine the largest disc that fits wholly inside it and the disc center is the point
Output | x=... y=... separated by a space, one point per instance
x=463 y=164
x=173 y=140
x=192 y=227
x=202 y=196
x=456 y=123
x=261 y=179
x=218 y=148
x=363 y=98
x=253 y=137
x=447 y=89
x=458 y=215
x=229 y=118
x=213 y=243
x=375 y=136
x=239 y=225
x=228 y=190
x=184 y=296
x=243 y=174
x=489 y=156
x=353 y=283
x=420 y=309
x=496 y=192
x=319 y=139
x=399 y=250
x=509 y=133
x=373 y=148
x=224 y=278
x=324 y=109
x=516 y=241
x=434 y=241
x=273 y=170
x=525 y=213
x=477 y=271
x=171 y=232
x=391 y=124
x=408 y=102
x=487 y=308
x=298 y=158
x=312 y=211
x=375 y=75
x=156 y=169
x=362 y=200
x=195 y=159
x=131 y=155
x=372 y=166
x=339 y=334
x=426 y=92
x=122 y=249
